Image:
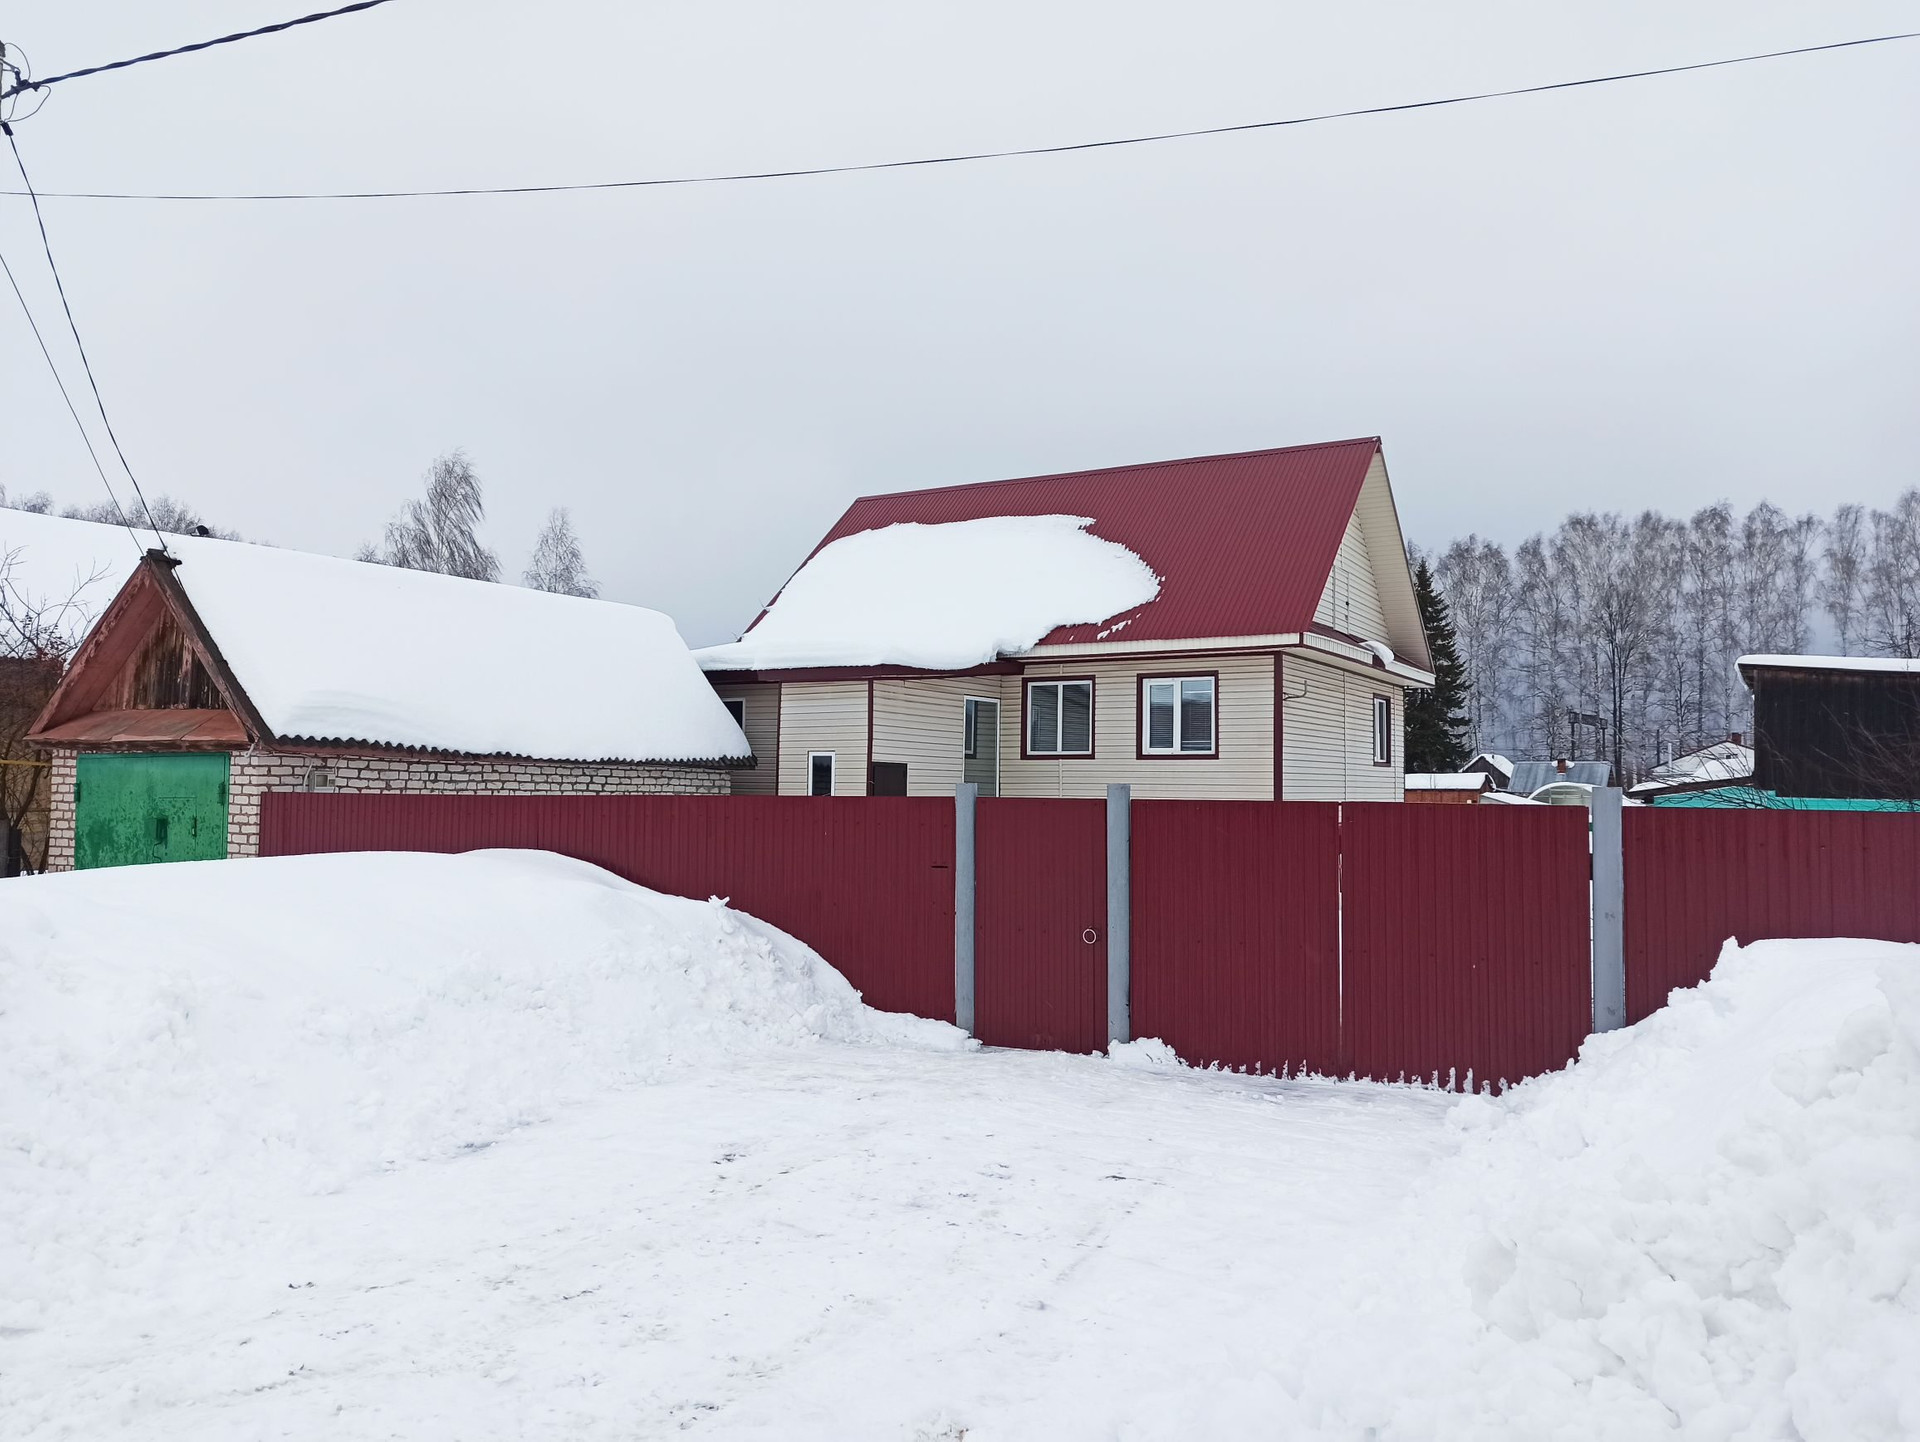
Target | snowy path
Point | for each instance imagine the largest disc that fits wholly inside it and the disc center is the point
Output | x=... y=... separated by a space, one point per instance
x=831 y=1243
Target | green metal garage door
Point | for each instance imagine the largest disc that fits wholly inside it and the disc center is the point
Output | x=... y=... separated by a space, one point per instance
x=131 y=809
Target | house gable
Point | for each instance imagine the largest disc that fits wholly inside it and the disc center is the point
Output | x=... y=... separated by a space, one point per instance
x=148 y=675
x=1369 y=589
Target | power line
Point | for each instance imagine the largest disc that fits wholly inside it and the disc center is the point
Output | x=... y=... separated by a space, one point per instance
x=80 y=346
x=86 y=439
x=189 y=49
x=980 y=155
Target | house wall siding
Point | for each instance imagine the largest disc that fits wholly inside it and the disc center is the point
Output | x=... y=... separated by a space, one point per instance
x=1328 y=736
x=254 y=773
x=761 y=700
x=824 y=716
x=1243 y=770
x=1351 y=600
x=923 y=723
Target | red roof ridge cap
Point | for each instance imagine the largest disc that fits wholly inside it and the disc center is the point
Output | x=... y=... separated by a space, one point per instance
x=1373 y=441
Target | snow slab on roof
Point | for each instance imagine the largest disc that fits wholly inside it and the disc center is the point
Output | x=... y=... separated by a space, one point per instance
x=940 y=597
x=1722 y=761
x=333 y=650
x=69 y=567
x=1895 y=665
x=1447 y=780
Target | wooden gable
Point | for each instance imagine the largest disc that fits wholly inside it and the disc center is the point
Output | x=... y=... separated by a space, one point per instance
x=147 y=676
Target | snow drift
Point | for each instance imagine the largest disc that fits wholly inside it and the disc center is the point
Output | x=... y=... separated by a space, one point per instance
x=1709 y=1224
x=181 y=1045
x=943 y=597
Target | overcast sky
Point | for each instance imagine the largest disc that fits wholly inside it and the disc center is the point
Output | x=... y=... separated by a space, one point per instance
x=1657 y=293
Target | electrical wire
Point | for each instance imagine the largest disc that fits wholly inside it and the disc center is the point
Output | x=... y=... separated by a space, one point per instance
x=982 y=155
x=189 y=49
x=86 y=439
x=79 y=345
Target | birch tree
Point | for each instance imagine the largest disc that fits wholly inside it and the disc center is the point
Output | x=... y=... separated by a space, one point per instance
x=440 y=531
x=557 y=564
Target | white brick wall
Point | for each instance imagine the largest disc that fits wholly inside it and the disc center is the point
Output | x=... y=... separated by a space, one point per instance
x=256 y=772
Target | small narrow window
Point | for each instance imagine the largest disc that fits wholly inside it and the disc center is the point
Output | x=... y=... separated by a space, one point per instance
x=1382 y=731
x=819 y=773
x=972 y=747
x=1177 y=716
x=737 y=709
x=1060 y=718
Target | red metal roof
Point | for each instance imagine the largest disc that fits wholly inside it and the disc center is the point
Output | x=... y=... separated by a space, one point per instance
x=1242 y=543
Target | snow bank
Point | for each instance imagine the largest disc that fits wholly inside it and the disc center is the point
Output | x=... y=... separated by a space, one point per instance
x=181 y=1046
x=1709 y=1224
x=942 y=597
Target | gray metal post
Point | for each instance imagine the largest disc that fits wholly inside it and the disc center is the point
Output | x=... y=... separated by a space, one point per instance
x=1609 y=912
x=965 y=797
x=1119 y=913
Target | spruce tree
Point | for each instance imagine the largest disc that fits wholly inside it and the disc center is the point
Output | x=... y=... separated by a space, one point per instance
x=1436 y=718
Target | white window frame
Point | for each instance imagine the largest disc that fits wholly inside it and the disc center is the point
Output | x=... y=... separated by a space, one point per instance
x=833 y=769
x=1147 y=748
x=1059 y=685
x=1382 y=730
x=736 y=708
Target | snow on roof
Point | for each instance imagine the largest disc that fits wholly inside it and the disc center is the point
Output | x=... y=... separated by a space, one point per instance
x=1448 y=780
x=1722 y=761
x=941 y=597
x=1896 y=665
x=333 y=650
x=1495 y=760
x=72 y=568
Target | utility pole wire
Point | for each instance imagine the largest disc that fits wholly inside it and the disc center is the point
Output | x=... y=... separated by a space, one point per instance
x=979 y=155
x=80 y=346
x=86 y=439
x=189 y=49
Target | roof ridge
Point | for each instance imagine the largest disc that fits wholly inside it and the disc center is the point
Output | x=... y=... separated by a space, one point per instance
x=1110 y=470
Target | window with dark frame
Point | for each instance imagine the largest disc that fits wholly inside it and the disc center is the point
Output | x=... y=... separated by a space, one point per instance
x=1382 y=731
x=819 y=773
x=1177 y=716
x=1059 y=718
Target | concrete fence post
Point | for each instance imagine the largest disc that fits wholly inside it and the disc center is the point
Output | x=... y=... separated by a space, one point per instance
x=966 y=797
x=1119 y=913
x=1609 y=912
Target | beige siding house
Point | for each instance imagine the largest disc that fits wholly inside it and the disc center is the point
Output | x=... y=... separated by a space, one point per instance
x=1266 y=652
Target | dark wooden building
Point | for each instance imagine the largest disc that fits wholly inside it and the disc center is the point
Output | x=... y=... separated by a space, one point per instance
x=1842 y=727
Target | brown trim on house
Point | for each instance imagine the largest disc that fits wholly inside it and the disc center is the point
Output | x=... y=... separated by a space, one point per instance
x=1140 y=752
x=855 y=673
x=1093 y=720
x=1372 y=720
x=1279 y=726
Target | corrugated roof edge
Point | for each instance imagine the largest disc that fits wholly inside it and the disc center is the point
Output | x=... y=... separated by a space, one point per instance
x=1374 y=441
x=362 y=746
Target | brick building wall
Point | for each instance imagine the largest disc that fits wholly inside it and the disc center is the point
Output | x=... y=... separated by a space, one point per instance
x=256 y=772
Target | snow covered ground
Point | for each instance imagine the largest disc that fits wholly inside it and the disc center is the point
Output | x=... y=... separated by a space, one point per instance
x=499 y=1146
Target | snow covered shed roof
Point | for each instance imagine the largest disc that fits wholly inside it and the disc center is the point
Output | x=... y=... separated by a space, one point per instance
x=316 y=650
x=1866 y=665
x=1240 y=545
x=1448 y=781
x=1715 y=765
x=66 y=571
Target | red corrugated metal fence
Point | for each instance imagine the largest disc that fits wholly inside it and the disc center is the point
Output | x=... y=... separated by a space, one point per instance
x=1040 y=924
x=1236 y=931
x=1695 y=877
x=867 y=882
x=1465 y=940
